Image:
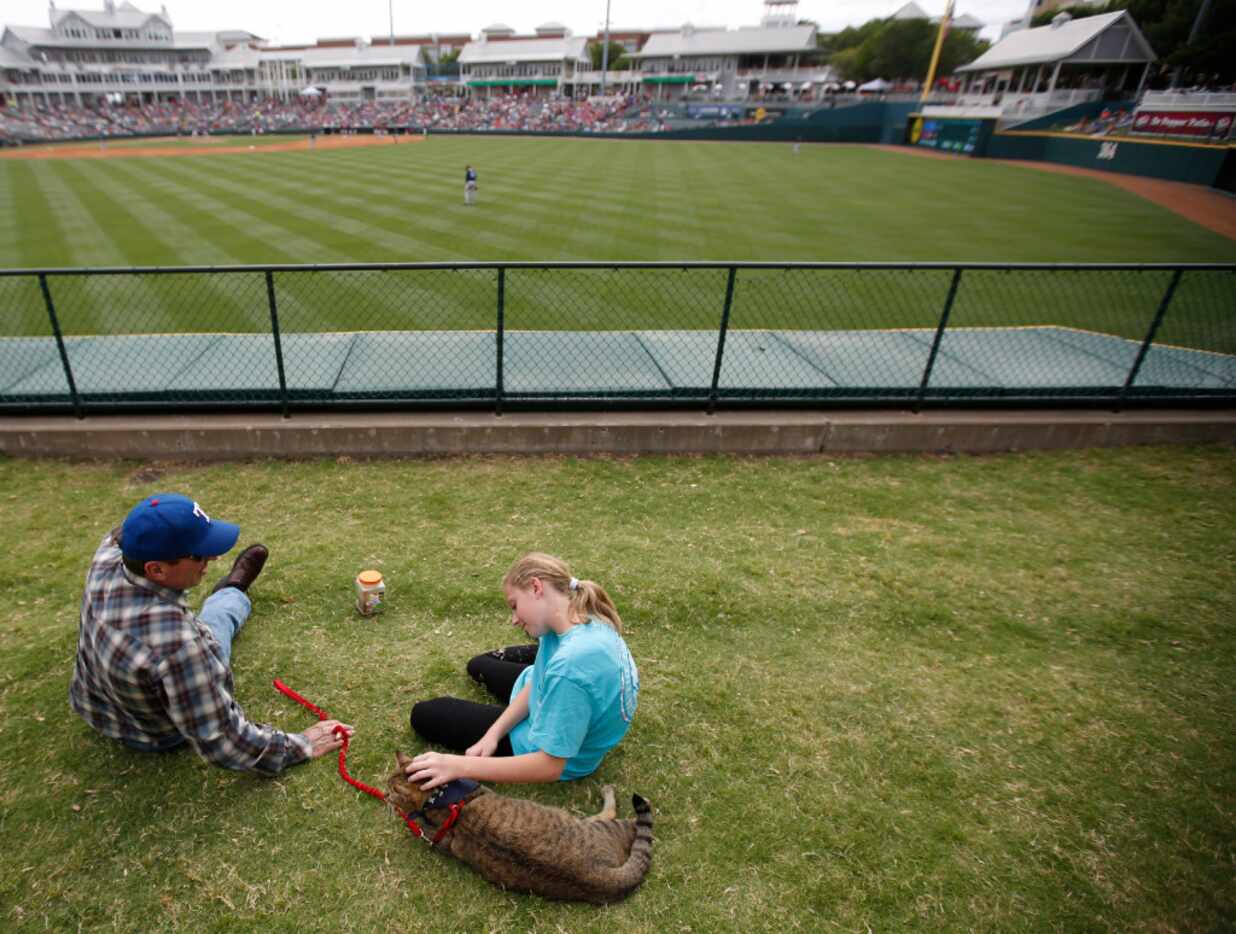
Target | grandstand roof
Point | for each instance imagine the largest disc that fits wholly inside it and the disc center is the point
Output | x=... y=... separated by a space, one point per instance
x=1063 y=41
x=41 y=35
x=747 y=40
x=912 y=11
x=320 y=57
x=493 y=51
x=125 y=16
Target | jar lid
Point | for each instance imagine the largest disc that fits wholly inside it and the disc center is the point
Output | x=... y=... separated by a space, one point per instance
x=369 y=577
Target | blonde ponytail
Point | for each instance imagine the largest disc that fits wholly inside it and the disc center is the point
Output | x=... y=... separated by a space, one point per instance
x=586 y=597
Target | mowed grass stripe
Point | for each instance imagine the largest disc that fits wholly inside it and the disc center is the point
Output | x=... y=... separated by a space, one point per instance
x=523 y=210
x=213 y=303
x=10 y=242
x=265 y=242
x=349 y=300
x=422 y=236
x=25 y=311
x=155 y=202
x=458 y=232
x=372 y=233
x=431 y=301
x=300 y=301
x=169 y=301
x=99 y=304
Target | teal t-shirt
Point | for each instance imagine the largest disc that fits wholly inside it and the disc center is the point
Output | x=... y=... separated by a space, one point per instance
x=584 y=690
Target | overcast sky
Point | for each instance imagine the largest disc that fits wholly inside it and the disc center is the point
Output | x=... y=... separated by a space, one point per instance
x=298 y=21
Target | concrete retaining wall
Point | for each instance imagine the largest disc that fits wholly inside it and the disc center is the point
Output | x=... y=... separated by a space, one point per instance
x=229 y=437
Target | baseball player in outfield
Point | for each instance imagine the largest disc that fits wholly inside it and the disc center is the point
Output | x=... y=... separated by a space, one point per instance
x=469 y=185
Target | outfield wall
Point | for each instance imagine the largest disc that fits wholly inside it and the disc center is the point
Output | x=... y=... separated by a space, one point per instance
x=1197 y=163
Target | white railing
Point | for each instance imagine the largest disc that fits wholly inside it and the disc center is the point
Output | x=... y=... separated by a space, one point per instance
x=1191 y=100
x=821 y=75
x=611 y=77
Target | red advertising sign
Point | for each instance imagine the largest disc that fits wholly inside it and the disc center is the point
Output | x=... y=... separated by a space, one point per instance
x=1193 y=123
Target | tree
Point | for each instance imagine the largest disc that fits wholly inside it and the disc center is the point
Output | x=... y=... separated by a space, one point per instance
x=618 y=60
x=900 y=49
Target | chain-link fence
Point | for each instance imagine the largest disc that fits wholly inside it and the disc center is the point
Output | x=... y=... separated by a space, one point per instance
x=553 y=335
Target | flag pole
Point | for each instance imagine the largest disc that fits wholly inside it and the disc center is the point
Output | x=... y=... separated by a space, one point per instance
x=935 y=53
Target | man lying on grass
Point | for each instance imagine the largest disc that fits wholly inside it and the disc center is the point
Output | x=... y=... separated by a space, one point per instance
x=153 y=675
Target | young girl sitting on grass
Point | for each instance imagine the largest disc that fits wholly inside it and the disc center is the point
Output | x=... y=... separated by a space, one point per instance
x=569 y=698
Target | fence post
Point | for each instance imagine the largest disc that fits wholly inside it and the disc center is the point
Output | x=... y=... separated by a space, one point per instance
x=725 y=324
x=499 y=383
x=1154 y=329
x=64 y=354
x=274 y=329
x=935 y=344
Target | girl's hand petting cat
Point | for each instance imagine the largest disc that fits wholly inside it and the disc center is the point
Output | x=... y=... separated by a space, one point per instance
x=323 y=737
x=434 y=769
x=482 y=747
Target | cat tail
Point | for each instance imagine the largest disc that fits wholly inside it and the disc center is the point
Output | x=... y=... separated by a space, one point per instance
x=625 y=879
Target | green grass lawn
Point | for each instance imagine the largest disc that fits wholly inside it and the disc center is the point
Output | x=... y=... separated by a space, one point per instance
x=883 y=694
x=556 y=199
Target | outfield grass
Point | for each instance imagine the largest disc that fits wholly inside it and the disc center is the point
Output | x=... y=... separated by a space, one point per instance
x=553 y=199
x=878 y=694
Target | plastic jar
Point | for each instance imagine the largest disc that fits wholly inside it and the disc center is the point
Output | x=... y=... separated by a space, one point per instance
x=370 y=592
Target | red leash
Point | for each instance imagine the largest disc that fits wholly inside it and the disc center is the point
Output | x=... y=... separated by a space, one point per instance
x=361 y=786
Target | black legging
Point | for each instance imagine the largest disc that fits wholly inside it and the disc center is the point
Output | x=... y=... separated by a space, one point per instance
x=458 y=724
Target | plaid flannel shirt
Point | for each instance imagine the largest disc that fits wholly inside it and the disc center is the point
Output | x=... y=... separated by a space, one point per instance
x=149 y=673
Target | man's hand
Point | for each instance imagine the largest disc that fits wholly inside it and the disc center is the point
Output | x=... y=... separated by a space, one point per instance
x=482 y=747
x=323 y=737
x=434 y=769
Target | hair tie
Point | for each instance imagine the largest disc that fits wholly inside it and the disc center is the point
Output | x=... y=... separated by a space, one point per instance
x=574 y=584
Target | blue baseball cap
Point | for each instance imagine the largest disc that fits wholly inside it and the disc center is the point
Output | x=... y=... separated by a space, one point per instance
x=167 y=526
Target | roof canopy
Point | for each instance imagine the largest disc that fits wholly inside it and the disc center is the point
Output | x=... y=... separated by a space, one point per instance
x=501 y=51
x=749 y=40
x=1109 y=38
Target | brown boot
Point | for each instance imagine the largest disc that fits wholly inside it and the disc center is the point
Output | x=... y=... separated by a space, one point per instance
x=247 y=566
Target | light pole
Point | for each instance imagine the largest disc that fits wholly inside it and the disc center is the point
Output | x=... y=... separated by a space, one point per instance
x=1193 y=34
x=605 y=50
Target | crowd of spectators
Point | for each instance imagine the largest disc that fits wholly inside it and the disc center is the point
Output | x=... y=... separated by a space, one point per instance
x=506 y=112
x=1106 y=123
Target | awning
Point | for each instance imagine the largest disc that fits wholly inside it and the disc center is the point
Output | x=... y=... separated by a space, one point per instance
x=669 y=79
x=514 y=83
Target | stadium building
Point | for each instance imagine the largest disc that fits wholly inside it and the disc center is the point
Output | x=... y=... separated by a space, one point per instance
x=501 y=62
x=778 y=56
x=125 y=54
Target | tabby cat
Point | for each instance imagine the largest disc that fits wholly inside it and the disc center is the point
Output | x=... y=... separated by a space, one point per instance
x=529 y=847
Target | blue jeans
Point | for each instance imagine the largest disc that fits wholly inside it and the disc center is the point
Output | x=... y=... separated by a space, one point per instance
x=224 y=613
